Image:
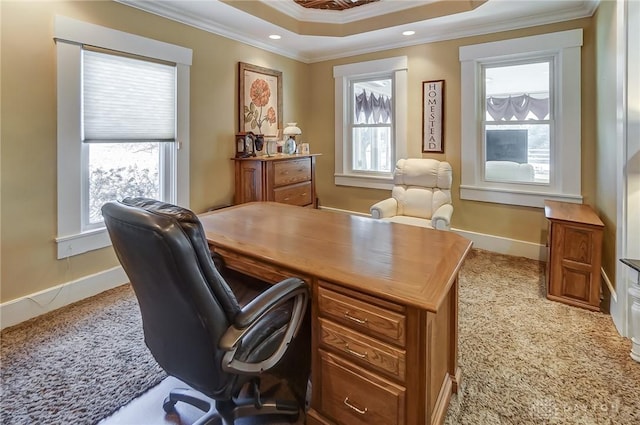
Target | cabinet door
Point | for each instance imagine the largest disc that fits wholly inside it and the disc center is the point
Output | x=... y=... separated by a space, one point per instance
x=249 y=185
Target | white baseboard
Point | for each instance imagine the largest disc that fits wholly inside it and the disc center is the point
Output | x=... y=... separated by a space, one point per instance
x=501 y=245
x=487 y=242
x=25 y=308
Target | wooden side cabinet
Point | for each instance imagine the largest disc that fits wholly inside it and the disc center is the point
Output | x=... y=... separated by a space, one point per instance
x=574 y=244
x=288 y=179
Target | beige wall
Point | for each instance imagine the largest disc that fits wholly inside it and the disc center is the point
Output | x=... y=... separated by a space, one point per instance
x=28 y=163
x=606 y=146
x=29 y=204
x=436 y=61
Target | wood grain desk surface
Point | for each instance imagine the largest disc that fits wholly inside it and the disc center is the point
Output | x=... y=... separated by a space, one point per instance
x=408 y=264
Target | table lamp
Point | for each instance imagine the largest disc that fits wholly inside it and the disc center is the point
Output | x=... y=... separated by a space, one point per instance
x=291 y=130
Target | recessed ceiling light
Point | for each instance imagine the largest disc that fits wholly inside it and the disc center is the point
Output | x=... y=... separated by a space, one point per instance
x=408 y=32
x=275 y=37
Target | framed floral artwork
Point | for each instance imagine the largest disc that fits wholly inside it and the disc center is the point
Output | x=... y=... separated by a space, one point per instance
x=260 y=100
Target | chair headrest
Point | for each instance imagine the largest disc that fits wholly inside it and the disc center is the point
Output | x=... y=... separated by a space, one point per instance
x=424 y=172
x=158 y=207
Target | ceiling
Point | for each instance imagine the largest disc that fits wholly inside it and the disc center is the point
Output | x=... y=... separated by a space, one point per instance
x=312 y=35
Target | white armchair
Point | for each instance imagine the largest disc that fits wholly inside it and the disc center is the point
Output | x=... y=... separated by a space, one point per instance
x=421 y=195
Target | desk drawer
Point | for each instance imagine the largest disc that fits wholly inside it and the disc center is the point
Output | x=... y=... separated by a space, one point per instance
x=363 y=350
x=362 y=316
x=298 y=194
x=353 y=396
x=291 y=171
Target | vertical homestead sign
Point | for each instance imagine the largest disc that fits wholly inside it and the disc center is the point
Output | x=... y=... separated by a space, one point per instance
x=433 y=116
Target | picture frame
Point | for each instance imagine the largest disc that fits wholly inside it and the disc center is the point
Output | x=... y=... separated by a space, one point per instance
x=433 y=116
x=259 y=100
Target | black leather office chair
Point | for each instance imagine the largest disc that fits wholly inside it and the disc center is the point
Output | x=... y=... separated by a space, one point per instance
x=193 y=324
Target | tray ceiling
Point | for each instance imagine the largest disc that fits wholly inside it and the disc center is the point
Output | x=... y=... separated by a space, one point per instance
x=311 y=35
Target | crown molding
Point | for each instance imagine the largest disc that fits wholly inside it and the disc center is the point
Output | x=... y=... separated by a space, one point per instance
x=362 y=45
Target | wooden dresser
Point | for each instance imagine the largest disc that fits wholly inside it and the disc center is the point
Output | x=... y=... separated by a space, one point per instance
x=288 y=179
x=574 y=254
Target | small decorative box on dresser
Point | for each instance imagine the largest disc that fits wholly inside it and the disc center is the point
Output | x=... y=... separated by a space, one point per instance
x=288 y=179
x=574 y=248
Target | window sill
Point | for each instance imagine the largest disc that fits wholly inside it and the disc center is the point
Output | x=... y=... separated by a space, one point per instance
x=372 y=182
x=514 y=197
x=71 y=245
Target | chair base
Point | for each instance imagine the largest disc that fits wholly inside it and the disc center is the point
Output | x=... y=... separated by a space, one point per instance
x=226 y=412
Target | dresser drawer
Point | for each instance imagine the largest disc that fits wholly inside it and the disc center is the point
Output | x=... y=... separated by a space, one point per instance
x=291 y=171
x=353 y=396
x=362 y=316
x=363 y=350
x=297 y=194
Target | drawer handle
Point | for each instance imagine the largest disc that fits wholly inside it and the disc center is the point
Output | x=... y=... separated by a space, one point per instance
x=303 y=194
x=354 y=408
x=355 y=353
x=286 y=199
x=355 y=319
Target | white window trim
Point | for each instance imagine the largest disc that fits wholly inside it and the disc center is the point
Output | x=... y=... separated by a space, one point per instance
x=565 y=180
x=70 y=35
x=341 y=74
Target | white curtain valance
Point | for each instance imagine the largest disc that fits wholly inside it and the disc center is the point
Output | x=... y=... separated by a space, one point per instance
x=505 y=108
x=377 y=108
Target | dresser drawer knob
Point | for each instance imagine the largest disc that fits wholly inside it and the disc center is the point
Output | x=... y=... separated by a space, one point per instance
x=354 y=408
x=355 y=319
x=355 y=353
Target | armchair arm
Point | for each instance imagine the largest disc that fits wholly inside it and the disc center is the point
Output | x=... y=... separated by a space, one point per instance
x=252 y=314
x=441 y=219
x=385 y=208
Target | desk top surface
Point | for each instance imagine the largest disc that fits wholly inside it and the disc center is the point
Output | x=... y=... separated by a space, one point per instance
x=408 y=264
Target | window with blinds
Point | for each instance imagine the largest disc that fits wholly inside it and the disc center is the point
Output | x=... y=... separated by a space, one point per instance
x=128 y=116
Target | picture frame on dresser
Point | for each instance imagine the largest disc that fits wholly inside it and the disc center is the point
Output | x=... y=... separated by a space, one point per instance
x=259 y=100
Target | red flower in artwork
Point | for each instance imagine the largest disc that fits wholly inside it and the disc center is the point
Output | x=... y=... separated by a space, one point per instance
x=260 y=92
x=271 y=115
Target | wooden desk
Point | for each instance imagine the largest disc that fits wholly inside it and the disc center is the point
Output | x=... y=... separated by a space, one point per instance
x=384 y=305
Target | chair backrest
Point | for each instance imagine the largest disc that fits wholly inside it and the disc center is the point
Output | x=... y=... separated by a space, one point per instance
x=422 y=185
x=185 y=304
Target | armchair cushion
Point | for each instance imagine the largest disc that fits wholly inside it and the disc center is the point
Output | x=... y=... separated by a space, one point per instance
x=421 y=194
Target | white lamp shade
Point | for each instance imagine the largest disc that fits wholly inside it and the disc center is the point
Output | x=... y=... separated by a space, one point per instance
x=291 y=129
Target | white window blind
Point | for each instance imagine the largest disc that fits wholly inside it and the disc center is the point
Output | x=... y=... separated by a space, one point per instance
x=127 y=99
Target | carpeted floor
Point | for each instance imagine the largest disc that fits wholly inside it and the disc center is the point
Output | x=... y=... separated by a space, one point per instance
x=525 y=360
x=528 y=360
x=77 y=364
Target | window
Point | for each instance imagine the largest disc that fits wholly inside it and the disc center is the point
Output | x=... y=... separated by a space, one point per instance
x=128 y=128
x=521 y=136
x=122 y=126
x=370 y=121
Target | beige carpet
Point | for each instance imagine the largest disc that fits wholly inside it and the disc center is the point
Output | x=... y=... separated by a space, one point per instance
x=528 y=360
x=525 y=360
x=77 y=364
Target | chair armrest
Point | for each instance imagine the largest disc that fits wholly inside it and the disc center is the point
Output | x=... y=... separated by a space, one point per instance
x=385 y=208
x=441 y=219
x=273 y=297
x=252 y=313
